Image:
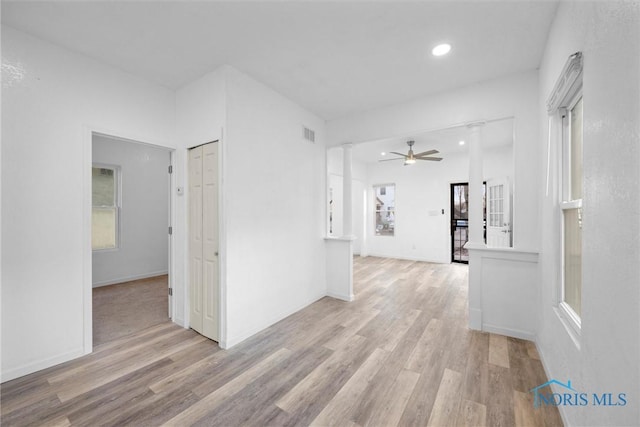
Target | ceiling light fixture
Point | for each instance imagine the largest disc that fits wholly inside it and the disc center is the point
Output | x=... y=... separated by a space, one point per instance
x=461 y=142
x=441 y=49
x=409 y=161
x=383 y=154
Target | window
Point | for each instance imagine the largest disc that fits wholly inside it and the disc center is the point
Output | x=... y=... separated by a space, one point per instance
x=565 y=106
x=105 y=207
x=385 y=210
x=571 y=206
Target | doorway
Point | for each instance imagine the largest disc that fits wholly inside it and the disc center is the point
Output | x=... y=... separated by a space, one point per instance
x=459 y=196
x=130 y=236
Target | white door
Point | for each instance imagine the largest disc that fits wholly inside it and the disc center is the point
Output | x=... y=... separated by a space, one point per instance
x=498 y=213
x=203 y=240
x=210 y=240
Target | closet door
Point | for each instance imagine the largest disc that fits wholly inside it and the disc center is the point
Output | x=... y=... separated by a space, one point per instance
x=195 y=239
x=203 y=239
x=210 y=240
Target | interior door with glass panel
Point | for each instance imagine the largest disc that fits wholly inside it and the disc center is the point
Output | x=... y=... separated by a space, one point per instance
x=498 y=213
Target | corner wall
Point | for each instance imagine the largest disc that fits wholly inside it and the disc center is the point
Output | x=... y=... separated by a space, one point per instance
x=274 y=207
x=607 y=357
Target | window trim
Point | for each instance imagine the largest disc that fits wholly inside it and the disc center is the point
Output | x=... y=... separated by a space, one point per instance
x=117 y=174
x=565 y=95
x=375 y=211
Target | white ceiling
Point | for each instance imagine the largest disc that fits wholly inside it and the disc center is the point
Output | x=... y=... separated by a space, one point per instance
x=334 y=58
x=446 y=141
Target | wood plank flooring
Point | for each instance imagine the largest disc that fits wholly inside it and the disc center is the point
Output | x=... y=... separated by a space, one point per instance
x=400 y=355
x=126 y=308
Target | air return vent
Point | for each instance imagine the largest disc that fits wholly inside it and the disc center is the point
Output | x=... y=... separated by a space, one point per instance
x=309 y=134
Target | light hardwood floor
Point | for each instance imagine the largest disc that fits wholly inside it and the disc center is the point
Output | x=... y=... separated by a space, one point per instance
x=399 y=355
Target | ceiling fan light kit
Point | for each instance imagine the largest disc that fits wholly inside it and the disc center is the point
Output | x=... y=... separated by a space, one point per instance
x=410 y=158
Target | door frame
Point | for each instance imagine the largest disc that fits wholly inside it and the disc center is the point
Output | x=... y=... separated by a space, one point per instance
x=451 y=184
x=222 y=240
x=451 y=210
x=87 y=262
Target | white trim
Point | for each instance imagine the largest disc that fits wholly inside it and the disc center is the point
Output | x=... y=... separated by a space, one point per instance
x=508 y=332
x=566 y=86
x=342 y=297
x=571 y=322
x=554 y=387
x=39 y=365
x=222 y=241
x=227 y=343
x=341 y=238
x=573 y=204
x=88 y=131
x=407 y=258
x=130 y=278
x=511 y=254
x=475 y=319
x=564 y=97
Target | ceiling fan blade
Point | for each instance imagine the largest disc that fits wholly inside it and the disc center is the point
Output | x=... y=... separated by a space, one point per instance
x=434 y=159
x=399 y=154
x=388 y=160
x=426 y=153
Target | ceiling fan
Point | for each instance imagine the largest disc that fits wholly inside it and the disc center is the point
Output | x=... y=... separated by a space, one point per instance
x=410 y=158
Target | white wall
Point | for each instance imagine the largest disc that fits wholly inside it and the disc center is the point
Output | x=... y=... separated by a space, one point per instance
x=274 y=207
x=512 y=96
x=200 y=118
x=50 y=102
x=144 y=216
x=607 y=360
x=423 y=189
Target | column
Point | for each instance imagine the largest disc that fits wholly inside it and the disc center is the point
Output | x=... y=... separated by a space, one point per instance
x=476 y=216
x=347 y=192
x=476 y=229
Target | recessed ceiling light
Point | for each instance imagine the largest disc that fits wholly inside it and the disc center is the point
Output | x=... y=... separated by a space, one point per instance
x=383 y=154
x=461 y=142
x=441 y=49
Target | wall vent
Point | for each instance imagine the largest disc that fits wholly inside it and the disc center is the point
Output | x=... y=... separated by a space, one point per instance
x=309 y=134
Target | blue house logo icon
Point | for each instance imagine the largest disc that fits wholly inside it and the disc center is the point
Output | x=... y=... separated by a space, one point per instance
x=538 y=396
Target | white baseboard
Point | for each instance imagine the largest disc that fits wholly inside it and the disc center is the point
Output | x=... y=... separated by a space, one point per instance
x=475 y=319
x=232 y=341
x=39 y=365
x=130 y=278
x=554 y=387
x=406 y=258
x=341 y=297
x=515 y=333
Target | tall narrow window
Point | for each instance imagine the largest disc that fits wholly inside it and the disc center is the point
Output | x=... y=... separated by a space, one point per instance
x=565 y=106
x=105 y=207
x=385 y=210
x=571 y=206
